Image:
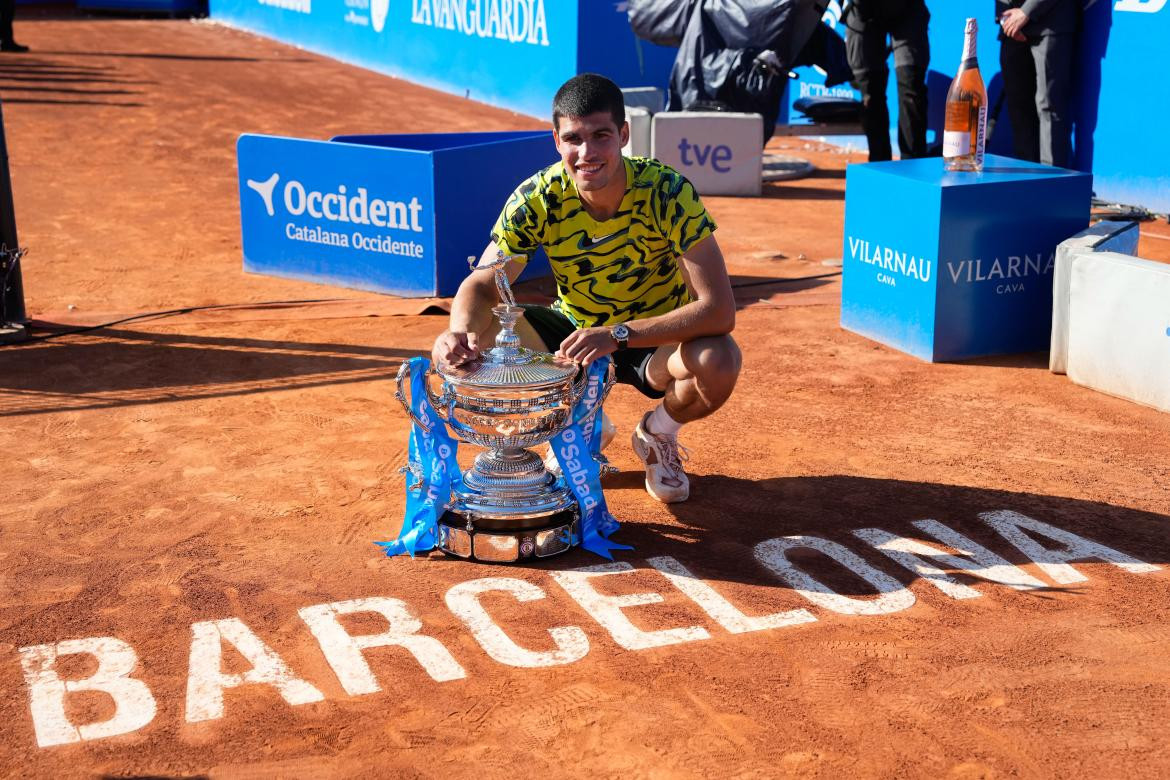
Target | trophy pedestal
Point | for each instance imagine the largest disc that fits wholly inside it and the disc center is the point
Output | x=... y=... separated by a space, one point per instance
x=508 y=509
x=556 y=534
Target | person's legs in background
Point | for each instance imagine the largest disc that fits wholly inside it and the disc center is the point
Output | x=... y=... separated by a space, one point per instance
x=865 y=45
x=1053 y=58
x=1019 y=92
x=911 y=61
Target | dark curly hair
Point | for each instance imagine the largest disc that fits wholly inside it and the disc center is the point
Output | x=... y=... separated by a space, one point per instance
x=587 y=94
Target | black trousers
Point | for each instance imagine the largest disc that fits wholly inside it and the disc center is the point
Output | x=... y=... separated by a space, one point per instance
x=7 y=12
x=866 y=45
x=1037 y=89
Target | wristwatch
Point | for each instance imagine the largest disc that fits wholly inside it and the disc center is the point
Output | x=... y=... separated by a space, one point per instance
x=620 y=334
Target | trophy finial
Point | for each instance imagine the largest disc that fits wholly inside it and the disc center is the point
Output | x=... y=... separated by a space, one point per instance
x=507 y=348
x=503 y=286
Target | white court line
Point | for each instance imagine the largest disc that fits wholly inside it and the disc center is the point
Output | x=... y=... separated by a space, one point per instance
x=1156 y=235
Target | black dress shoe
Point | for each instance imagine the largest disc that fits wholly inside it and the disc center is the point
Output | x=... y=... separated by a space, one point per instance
x=12 y=46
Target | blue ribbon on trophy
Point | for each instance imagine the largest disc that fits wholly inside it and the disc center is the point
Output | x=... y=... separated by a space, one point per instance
x=579 y=455
x=431 y=452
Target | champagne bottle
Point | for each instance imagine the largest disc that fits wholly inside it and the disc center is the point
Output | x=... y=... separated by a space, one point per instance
x=966 y=114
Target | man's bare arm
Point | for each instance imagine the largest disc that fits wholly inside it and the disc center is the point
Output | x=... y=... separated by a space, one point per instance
x=711 y=313
x=471 y=312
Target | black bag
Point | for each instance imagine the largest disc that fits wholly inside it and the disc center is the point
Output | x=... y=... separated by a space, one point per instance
x=660 y=21
x=735 y=55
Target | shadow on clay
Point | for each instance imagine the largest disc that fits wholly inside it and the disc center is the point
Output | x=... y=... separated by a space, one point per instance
x=717 y=529
x=116 y=368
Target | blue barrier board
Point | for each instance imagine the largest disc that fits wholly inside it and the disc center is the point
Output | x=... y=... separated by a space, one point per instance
x=951 y=266
x=510 y=53
x=171 y=7
x=396 y=214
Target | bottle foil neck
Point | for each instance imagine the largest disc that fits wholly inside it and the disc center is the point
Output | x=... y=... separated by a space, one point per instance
x=969 y=43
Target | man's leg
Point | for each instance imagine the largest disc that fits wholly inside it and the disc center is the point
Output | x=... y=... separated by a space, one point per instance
x=1053 y=57
x=911 y=60
x=1019 y=92
x=865 y=45
x=698 y=377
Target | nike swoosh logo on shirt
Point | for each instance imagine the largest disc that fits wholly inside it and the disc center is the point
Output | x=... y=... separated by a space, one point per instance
x=589 y=242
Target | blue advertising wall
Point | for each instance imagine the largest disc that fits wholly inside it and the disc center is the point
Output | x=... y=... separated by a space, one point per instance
x=172 y=7
x=397 y=214
x=509 y=53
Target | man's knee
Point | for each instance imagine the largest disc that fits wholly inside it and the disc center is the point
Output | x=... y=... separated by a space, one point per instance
x=911 y=80
x=871 y=86
x=712 y=359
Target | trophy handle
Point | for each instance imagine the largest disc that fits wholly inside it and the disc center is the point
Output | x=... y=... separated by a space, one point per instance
x=444 y=400
x=610 y=380
x=400 y=394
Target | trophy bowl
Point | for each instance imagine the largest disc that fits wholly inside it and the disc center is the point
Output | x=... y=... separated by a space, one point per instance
x=508 y=506
x=507 y=405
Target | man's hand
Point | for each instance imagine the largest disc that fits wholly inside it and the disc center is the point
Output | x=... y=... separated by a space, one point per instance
x=455 y=349
x=1012 y=21
x=586 y=345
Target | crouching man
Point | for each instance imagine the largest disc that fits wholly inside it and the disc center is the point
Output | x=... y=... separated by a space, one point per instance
x=639 y=276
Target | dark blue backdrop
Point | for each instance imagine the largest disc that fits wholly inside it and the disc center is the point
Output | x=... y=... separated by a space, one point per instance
x=519 y=59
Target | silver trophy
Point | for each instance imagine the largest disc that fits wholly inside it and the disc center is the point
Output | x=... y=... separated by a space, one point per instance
x=509 y=507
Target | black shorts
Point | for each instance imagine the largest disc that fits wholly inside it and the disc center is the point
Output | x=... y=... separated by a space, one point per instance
x=630 y=364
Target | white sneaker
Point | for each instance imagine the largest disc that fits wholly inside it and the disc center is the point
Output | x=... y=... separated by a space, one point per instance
x=663 y=457
x=608 y=432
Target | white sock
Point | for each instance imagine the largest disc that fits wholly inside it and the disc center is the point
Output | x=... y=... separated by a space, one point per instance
x=662 y=423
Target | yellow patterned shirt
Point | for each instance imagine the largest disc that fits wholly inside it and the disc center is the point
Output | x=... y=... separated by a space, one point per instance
x=617 y=270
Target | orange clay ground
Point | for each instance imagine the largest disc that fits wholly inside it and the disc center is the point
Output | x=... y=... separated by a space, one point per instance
x=235 y=465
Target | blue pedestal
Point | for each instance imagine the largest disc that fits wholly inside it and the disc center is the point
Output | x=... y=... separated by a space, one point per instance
x=396 y=214
x=949 y=266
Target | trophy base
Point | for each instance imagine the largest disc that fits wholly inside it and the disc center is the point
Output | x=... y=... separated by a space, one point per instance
x=547 y=537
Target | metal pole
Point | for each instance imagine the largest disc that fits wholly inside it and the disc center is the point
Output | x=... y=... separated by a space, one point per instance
x=12 y=312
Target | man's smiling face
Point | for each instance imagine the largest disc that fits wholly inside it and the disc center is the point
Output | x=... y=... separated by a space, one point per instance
x=591 y=149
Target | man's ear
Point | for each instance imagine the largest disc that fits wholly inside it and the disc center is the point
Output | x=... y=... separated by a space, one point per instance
x=556 y=136
x=624 y=133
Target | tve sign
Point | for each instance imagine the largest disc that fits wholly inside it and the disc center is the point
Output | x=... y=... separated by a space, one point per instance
x=721 y=153
x=719 y=156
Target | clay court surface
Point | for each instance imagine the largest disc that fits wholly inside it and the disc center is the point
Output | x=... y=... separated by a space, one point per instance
x=238 y=463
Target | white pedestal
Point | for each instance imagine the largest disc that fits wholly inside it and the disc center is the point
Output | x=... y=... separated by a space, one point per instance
x=719 y=152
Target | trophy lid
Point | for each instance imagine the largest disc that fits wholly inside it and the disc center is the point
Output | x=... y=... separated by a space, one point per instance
x=508 y=364
x=519 y=368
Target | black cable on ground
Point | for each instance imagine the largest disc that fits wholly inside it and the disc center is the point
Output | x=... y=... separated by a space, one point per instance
x=169 y=313
x=785 y=280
